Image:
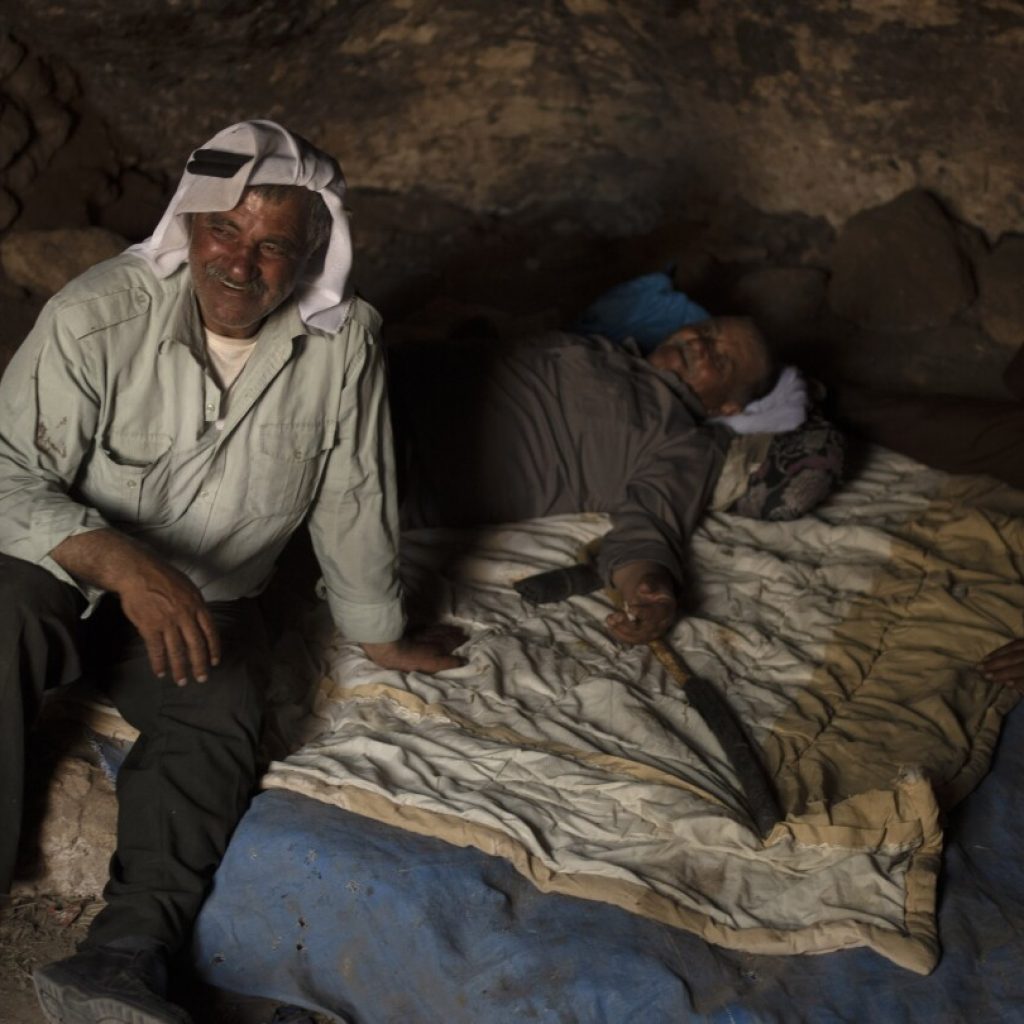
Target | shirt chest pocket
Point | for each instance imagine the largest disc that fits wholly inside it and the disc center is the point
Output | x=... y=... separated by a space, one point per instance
x=127 y=477
x=288 y=461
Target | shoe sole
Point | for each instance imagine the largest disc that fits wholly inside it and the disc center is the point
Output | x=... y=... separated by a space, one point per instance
x=62 y=1002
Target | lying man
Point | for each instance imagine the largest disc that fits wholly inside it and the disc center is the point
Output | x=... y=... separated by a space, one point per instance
x=176 y=413
x=573 y=424
x=570 y=424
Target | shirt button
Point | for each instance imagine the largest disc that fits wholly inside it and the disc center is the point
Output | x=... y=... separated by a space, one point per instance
x=132 y=484
x=297 y=453
x=209 y=406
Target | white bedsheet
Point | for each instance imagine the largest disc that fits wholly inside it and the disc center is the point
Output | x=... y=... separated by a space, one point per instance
x=846 y=642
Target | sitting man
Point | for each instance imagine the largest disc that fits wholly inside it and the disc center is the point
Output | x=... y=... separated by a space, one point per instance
x=176 y=413
x=574 y=424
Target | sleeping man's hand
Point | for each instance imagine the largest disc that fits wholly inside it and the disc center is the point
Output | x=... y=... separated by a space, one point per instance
x=649 y=603
x=1006 y=665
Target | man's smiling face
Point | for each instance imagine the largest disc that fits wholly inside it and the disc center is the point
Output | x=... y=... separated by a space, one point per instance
x=245 y=261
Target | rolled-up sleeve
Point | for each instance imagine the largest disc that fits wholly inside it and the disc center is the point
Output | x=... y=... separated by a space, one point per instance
x=354 y=520
x=48 y=416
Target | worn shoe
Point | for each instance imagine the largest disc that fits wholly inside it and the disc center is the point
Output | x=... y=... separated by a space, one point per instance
x=104 y=985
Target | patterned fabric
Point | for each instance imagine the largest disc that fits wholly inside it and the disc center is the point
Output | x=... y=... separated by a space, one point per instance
x=802 y=468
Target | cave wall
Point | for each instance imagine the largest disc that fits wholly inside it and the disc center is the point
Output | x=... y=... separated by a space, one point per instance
x=539 y=138
x=622 y=109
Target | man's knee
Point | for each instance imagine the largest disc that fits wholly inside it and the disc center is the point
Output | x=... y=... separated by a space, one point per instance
x=234 y=694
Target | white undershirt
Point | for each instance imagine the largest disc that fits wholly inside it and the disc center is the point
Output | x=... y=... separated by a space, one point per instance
x=228 y=357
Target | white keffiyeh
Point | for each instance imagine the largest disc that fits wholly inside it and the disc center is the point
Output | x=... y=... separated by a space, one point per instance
x=274 y=156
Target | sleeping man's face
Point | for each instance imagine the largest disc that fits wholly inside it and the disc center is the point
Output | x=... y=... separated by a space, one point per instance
x=724 y=361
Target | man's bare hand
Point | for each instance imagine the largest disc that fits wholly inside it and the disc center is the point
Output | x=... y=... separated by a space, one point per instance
x=163 y=604
x=1006 y=665
x=426 y=650
x=169 y=612
x=649 y=603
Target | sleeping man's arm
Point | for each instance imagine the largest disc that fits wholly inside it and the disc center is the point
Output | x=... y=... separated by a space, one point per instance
x=644 y=553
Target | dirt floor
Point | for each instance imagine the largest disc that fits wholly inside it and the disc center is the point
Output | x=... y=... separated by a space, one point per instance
x=35 y=930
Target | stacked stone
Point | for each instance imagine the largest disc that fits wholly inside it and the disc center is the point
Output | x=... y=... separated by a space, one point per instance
x=911 y=301
x=35 y=119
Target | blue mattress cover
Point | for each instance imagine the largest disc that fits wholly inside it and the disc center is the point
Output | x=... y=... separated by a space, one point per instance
x=323 y=908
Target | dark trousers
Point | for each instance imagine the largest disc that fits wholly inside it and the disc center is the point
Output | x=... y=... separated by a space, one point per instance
x=188 y=777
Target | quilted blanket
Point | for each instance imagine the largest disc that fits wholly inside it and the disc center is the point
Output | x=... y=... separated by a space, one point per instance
x=846 y=642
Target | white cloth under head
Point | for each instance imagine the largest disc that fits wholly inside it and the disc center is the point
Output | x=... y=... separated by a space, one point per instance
x=783 y=408
x=263 y=153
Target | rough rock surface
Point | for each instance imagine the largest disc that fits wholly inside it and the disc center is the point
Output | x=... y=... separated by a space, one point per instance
x=1013 y=375
x=35 y=118
x=44 y=261
x=1001 y=287
x=785 y=301
x=952 y=360
x=521 y=157
x=898 y=267
x=76 y=836
x=624 y=109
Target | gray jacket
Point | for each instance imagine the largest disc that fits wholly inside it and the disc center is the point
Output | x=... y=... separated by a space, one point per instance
x=560 y=424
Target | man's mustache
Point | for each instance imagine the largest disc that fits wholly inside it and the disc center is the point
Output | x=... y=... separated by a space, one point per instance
x=255 y=286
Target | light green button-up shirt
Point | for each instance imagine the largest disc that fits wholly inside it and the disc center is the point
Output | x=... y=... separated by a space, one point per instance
x=109 y=417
